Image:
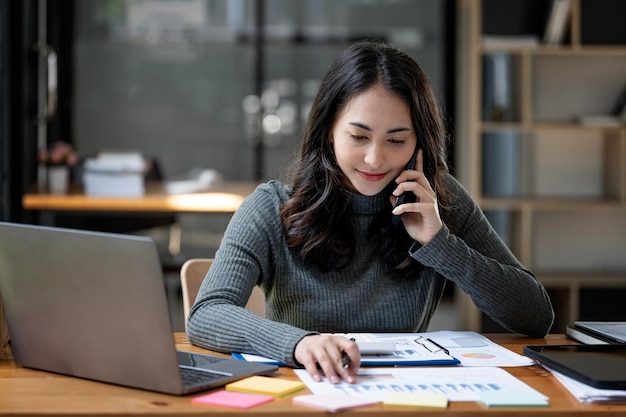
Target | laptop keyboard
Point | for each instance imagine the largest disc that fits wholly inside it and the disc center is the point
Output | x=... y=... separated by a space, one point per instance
x=199 y=360
x=193 y=377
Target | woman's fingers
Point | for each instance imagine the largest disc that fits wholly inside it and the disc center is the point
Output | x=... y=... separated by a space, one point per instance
x=418 y=185
x=326 y=356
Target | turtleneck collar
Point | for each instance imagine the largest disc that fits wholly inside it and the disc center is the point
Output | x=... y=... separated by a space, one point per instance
x=363 y=204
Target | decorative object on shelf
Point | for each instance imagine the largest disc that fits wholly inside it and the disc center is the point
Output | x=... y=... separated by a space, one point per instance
x=557 y=22
x=58 y=179
x=58 y=159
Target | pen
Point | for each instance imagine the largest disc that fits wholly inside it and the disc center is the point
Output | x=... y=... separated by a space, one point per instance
x=432 y=342
x=345 y=360
x=438 y=345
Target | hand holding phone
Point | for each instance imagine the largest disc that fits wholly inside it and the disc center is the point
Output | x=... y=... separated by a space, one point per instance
x=423 y=221
x=405 y=197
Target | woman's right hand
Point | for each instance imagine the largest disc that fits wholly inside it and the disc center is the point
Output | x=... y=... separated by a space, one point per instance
x=323 y=355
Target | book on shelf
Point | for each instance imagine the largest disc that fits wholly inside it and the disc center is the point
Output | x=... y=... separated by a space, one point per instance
x=619 y=108
x=597 y=332
x=600 y=120
x=510 y=41
x=498 y=105
x=557 y=22
x=615 y=118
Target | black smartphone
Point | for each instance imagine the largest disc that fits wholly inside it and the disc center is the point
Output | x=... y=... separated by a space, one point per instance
x=405 y=197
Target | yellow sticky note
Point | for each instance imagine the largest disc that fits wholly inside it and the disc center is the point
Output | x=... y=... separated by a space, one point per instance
x=276 y=387
x=417 y=399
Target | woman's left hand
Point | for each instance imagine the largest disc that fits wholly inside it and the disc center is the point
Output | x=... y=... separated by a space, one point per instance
x=421 y=219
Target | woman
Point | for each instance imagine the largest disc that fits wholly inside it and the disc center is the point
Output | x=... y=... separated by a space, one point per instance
x=325 y=249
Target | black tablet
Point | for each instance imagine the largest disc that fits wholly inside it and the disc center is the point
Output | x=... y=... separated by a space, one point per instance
x=601 y=366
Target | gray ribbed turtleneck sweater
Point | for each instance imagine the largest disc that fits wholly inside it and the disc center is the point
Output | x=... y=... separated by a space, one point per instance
x=301 y=300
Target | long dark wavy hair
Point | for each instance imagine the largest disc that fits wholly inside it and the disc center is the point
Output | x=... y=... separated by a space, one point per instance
x=316 y=217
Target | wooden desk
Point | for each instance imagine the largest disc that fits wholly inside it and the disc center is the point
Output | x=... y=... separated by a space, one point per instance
x=27 y=392
x=223 y=199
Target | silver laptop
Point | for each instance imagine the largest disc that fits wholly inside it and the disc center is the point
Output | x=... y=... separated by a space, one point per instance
x=94 y=305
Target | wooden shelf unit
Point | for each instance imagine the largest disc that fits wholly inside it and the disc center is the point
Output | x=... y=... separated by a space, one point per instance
x=564 y=201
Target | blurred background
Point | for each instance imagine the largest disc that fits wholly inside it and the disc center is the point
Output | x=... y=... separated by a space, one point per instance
x=539 y=124
x=217 y=84
x=192 y=84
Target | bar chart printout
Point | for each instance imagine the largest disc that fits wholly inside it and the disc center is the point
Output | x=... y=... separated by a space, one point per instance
x=457 y=383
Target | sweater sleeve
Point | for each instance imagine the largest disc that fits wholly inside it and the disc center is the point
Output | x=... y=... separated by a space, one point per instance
x=480 y=264
x=218 y=319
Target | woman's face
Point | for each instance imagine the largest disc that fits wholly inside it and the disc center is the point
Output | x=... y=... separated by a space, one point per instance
x=373 y=139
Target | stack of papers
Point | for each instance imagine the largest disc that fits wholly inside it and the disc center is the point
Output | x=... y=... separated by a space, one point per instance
x=587 y=394
x=115 y=175
x=196 y=180
x=494 y=41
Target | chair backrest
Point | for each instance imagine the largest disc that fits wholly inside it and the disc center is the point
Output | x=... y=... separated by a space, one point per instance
x=192 y=274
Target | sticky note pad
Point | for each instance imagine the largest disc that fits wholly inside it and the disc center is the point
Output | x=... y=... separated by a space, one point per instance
x=233 y=399
x=276 y=387
x=513 y=399
x=418 y=399
x=333 y=402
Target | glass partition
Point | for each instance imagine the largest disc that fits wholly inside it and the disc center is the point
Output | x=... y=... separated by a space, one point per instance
x=190 y=82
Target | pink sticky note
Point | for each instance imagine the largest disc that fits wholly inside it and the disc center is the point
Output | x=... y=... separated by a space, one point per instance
x=233 y=399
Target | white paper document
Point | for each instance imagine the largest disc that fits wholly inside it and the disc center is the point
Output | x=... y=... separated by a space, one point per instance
x=457 y=383
x=587 y=394
x=409 y=349
x=470 y=348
